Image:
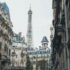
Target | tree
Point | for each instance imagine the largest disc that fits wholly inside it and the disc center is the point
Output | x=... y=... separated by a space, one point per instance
x=28 y=64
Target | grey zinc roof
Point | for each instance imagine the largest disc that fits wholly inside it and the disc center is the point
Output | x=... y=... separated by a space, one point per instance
x=30 y=11
x=18 y=39
x=5 y=8
x=44 y=39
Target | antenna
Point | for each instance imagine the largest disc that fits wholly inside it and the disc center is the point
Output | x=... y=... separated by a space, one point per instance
x=30 y=6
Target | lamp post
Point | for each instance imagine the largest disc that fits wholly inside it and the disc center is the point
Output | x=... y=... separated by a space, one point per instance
x=36 y=61
x=13 y=54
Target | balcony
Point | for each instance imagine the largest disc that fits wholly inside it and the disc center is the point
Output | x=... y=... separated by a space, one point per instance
x=3 y=22
x=7 y=29
x=59 y=29
x=5 y=25
x=10 y=31
x=3 y=56
x=1 y=18
x=17 y=68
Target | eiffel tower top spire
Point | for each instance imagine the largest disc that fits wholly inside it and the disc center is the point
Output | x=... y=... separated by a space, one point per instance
x=29 y=31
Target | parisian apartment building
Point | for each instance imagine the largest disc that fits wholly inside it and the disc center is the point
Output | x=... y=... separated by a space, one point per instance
x=60 y=42
x=6 y=35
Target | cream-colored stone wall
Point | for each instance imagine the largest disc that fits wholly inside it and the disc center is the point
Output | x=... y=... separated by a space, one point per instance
x=19 y=61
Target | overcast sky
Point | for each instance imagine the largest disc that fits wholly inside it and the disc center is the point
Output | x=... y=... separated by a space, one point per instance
x=41 y=17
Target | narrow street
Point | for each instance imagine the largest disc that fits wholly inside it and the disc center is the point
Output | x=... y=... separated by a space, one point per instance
x=35 y=35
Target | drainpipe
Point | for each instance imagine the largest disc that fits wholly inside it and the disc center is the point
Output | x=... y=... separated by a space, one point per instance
x=66 y=24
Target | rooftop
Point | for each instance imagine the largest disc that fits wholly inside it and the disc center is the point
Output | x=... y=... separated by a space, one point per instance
x=44 y=39
x=4 y=7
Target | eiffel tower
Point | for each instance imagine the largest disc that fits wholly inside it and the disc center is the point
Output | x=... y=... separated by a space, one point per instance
x=29 y=31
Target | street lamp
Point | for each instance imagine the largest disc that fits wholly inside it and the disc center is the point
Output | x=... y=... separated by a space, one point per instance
x=13 y=54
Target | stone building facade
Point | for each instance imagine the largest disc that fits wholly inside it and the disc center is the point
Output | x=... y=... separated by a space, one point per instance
x=40 y=57
x=18 y=52
x=6 y=34
x=60 y=42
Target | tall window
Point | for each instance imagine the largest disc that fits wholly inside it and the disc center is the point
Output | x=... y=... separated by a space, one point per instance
x=0 y=45
x=69 y=32
x=69 y=11
x=1 y=32
x=6 y=49
x=9 y=52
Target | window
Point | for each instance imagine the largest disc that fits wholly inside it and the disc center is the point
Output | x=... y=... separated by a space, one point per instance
x=0 y=49
x=69 y=31
x=5 y=48
x=0 y=45
x=69 y=11
x=1 y=32
x=22 y=54
x=9 y=52
x=66 y=2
